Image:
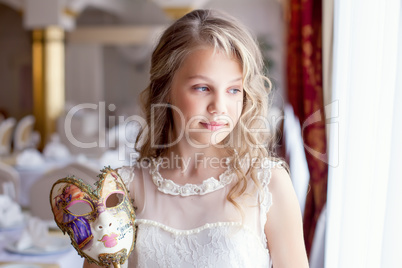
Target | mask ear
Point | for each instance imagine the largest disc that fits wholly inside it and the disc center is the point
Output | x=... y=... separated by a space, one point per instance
x=111 y=183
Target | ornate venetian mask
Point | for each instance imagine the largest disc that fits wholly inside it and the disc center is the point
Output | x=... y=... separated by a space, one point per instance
x=100 y=222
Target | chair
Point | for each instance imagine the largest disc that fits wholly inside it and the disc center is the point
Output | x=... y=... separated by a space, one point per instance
x=24 y=135
x=40 y=191
x=6 y=131
x=9 y=181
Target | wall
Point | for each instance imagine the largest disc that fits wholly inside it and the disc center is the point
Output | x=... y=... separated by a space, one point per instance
x=118 y=74
x=15 y=65
x=265 y=20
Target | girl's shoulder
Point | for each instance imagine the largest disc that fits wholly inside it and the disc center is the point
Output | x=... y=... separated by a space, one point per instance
x=279 y=175
x=275 y=176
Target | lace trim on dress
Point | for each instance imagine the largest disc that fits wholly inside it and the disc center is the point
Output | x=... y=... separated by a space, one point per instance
x=186 y=232
x=207 y=186
x=220 y=246
x=126 y=174
x=195 y=231
x=265 y=199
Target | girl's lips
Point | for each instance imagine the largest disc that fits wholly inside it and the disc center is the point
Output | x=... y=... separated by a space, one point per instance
x=213 y=125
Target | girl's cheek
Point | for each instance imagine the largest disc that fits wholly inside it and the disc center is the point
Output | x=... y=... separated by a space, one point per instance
x=192 y=104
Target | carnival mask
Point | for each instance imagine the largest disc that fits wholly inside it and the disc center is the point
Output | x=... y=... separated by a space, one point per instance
x=100 y=222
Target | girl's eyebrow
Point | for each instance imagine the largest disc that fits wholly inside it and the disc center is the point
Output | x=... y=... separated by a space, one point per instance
x=206 y=78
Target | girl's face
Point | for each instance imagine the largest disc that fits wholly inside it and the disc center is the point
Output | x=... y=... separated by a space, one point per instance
x=207 y=97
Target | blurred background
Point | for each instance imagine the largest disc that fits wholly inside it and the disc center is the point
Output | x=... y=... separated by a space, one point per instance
x=70 y=76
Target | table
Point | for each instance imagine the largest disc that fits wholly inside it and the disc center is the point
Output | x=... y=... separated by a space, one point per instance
x=28 y=176
x=41 y=265
x=60 y=260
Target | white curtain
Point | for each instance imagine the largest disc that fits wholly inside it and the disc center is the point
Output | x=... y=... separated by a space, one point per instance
x=364 y=220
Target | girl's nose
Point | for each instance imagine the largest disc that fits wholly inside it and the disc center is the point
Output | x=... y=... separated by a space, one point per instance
x=217 y=105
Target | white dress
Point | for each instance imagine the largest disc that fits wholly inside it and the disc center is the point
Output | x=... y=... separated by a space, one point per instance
x=194 y=225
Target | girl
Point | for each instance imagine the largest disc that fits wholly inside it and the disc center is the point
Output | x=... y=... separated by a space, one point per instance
x=205 y=192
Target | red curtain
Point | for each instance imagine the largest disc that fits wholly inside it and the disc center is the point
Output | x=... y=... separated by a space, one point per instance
x=304 y=80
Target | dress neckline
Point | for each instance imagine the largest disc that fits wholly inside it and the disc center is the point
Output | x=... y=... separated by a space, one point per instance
x=207 y=186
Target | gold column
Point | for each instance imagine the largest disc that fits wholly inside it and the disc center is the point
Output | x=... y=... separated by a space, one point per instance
x=48 y=79
x=177 y=12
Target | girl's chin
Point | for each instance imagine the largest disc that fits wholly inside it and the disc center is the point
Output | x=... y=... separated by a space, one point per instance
x=205 y=141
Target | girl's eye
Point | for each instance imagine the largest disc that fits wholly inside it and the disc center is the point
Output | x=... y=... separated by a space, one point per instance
x=234 y=90
x=202 y=89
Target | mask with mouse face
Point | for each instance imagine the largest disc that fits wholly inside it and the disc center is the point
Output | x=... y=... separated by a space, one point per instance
x=100 y=222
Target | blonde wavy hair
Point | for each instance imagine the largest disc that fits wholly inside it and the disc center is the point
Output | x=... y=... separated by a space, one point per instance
x=209 y=28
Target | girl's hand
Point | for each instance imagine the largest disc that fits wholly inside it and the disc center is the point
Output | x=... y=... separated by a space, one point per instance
x=284 y=227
